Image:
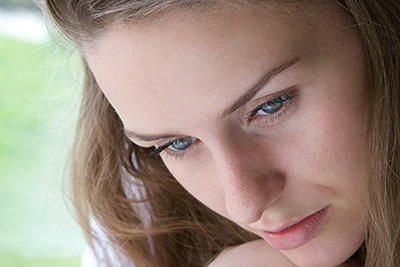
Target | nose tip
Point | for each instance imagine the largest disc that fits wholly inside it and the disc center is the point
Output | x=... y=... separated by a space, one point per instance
x=247 y=197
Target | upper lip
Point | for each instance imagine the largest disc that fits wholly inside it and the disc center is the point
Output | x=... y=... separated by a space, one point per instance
x=278 y=227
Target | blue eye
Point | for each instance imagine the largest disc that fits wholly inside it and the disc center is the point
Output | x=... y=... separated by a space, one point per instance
x=272 y=106
x=181 y=143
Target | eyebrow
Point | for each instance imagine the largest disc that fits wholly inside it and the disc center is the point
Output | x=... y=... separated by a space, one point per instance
x=243 y=100
x=265 y=79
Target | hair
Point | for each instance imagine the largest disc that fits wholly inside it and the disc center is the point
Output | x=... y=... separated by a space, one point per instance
x=145 y=214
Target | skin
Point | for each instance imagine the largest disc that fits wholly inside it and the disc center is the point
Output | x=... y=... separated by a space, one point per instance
x=178 y=75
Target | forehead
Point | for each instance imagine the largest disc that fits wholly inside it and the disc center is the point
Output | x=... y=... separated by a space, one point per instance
x=195 y=62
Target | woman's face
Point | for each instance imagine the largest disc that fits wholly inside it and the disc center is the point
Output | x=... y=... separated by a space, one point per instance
x=260 y=114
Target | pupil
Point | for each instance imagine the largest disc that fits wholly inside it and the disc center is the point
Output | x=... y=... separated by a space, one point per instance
x=272 y=106
x=182 y=143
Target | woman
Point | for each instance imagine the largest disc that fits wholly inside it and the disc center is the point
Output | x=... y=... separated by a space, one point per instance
x=237 y=133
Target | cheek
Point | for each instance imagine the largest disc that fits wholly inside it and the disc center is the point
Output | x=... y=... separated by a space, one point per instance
x=202 y=184
x=327 y=143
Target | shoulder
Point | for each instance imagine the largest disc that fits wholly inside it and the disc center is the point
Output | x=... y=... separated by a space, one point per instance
x=252 y=254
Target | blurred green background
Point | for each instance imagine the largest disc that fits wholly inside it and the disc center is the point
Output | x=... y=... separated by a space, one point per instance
x=39 y=82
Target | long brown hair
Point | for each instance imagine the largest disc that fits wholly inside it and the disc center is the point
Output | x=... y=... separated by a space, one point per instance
x=147 y=217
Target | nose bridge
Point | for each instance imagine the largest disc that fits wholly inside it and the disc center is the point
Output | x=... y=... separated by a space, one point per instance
x=250 y=181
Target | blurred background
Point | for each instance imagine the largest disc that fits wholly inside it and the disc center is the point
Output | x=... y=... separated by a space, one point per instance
x=39 y=85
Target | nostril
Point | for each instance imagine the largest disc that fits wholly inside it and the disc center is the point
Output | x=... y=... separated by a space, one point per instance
x=247 y=198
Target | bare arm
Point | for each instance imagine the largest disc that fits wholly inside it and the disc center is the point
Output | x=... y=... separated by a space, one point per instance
x=252 y=254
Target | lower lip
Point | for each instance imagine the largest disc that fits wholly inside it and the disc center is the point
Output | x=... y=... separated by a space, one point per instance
x=298 y=234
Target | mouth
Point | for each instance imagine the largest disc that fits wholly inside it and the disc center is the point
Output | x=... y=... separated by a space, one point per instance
x=299 y=233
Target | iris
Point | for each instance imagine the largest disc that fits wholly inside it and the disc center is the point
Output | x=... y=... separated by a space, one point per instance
x=274 y=105
x=181 y=143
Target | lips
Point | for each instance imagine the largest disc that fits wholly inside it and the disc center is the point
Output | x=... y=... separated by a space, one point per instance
x=299 y=233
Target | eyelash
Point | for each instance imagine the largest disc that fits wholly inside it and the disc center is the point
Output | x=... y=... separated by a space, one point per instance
x=286 y=98
x=168 y=154
x=163 y=149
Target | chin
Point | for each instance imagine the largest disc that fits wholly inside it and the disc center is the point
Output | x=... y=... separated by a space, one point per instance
x=316 y=254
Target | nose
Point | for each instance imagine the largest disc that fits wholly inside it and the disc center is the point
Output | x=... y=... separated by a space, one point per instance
x=250 y=180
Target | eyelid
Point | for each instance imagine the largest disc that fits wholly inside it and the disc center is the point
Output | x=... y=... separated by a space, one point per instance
x=162 y=148
x=257 y=103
